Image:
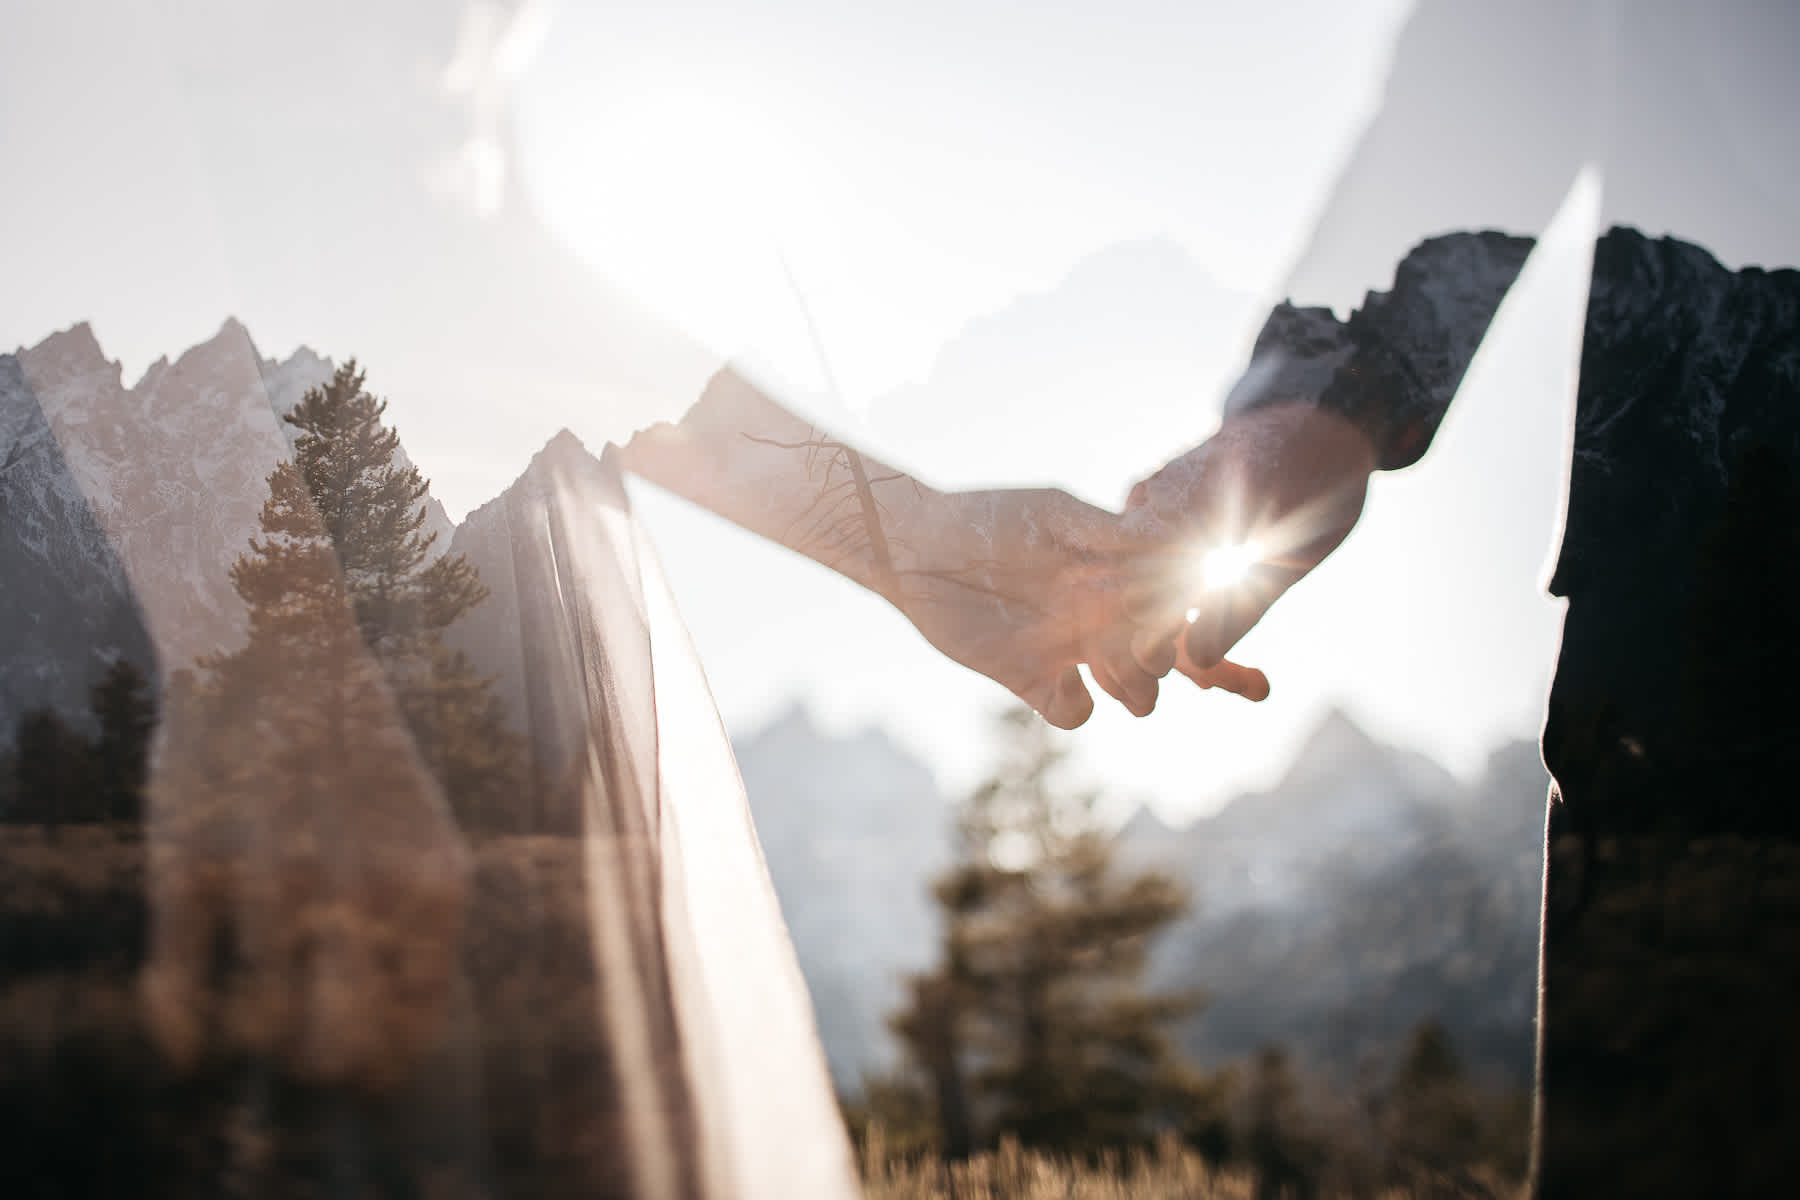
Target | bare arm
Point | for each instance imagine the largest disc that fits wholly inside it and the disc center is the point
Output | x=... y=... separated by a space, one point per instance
x=1016 y=584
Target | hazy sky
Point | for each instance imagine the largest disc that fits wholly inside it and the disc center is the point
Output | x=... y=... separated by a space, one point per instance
x=973 y=198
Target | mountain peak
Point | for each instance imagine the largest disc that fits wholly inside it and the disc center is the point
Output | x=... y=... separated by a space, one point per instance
x=564 y=442
x=563 y=452
x=1145 y=827
x=74 y=346
x=795 y=721
x=1337 y=735
x=1337 y=747
x=304 y=358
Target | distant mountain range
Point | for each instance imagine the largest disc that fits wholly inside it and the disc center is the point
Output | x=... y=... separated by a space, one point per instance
x=1094 y=382
x=1365 y=892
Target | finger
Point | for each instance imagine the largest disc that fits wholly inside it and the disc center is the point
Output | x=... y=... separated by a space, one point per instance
x=1147 y=597
x=1227 y=615
x=1120 y=677
x=1157 y=588
x=1154 y=651
x=1216 y=628
x=1065 y=702
x=1228 y=676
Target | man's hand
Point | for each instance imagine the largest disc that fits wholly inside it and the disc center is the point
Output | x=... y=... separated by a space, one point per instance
x=1024 y=585
x=1224 y=530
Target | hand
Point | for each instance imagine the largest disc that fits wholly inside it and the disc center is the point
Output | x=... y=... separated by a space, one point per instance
x=1023 y=586
x=1225 y=530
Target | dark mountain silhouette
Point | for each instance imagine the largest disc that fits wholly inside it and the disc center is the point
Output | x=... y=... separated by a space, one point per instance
x=1689 y=377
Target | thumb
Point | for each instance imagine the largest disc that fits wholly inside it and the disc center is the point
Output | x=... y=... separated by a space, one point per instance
x=1227 y=615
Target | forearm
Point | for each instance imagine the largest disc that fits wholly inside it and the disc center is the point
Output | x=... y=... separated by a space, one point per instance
x=739 y=454
x=1393 y=367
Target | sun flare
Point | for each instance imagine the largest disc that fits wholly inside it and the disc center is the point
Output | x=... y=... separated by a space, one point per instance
x=1228 y=565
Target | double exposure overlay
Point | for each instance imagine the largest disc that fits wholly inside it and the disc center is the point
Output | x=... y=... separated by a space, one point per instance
x=443 y=440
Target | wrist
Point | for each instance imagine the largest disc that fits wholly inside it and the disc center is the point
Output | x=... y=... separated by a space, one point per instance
x=1262 y=463
x=914 y=520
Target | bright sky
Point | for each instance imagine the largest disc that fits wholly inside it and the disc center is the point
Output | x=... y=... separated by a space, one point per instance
x=925 y=164
x=1034 y=238
x=918 y=198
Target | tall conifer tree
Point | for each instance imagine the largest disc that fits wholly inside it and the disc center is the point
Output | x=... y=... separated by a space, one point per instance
x=1036 y=1023
x=344 y=528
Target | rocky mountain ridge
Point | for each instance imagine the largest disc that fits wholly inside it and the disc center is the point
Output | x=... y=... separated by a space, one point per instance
x=124 y=507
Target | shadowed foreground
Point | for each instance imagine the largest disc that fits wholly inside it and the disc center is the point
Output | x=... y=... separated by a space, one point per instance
x=89 y=1107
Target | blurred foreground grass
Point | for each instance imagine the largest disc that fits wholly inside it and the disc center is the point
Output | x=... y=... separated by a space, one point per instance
x=1168 y=1171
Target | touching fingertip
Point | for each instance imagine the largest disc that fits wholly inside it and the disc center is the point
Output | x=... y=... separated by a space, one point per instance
x=1155 y=653
x=1073 y=705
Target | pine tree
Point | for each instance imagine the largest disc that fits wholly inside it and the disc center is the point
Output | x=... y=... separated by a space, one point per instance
x=344 y=478
x=343 y=532
x=59 y=776
x=1279 y=1140
x=126 y=713
x=1430 y=1114
x=1036 y=1022
x=53 y=778
x=297 y=819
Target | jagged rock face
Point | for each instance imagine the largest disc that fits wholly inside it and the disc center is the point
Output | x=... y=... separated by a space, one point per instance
x=1367 y=891
x=66 y=606
x=1395 y=364
x=174 y=469
x=170 y=476
x=1688 y=369
x=1684 y=366
x=561 y=632
x=124 y=508
x=503 y=540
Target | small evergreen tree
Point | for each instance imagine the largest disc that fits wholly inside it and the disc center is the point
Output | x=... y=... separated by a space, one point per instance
x=53 y=777
x=372 y=512
x=1036 y=1023
x=1279 y=1141
x=126 y=713
x=1430 y=1114
x=342 y=531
